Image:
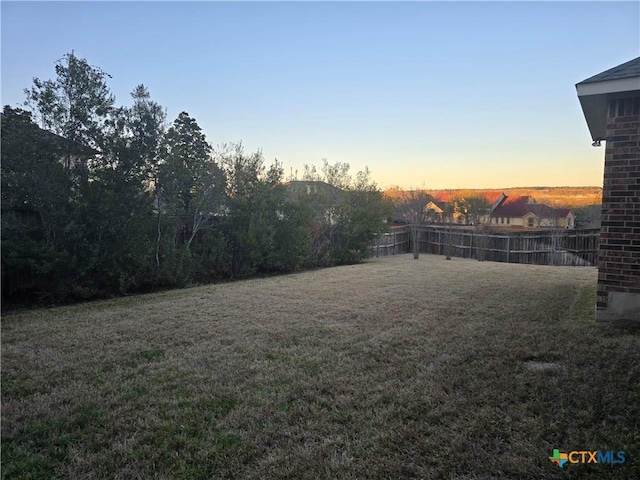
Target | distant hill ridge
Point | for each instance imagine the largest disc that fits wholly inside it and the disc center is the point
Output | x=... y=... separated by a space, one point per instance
x=559 y=197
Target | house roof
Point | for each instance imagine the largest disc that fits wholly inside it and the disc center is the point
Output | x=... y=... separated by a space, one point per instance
x=443 y=197
x=519 y=206
x=516 y=206
x=439 y=205
x=595 y=92
x=544 y=211
x=628 y=69
x=492 y=196
x=48 y=136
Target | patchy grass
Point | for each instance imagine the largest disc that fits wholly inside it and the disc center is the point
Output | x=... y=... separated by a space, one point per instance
x=391 y=369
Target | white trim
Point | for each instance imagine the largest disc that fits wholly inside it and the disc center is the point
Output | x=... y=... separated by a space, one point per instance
x=609 y=86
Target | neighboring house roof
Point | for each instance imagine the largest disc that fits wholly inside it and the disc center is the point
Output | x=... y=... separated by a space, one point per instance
x=76 y=148
x=563 y=212
x=493 y=197
x=544 y=211
x=517 y=206
x=443 y=197
x=435 y=205
x=522 y=206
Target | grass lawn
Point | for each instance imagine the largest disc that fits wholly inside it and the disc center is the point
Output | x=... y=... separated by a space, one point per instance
x=395 y=368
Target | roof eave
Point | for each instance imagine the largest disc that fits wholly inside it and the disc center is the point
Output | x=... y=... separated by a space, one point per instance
x=594 y=97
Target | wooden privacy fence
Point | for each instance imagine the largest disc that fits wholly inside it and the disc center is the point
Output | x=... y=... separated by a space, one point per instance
x=553 y=247
x=392 y=243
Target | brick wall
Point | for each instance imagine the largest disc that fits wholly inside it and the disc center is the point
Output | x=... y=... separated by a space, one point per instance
x=619 y=256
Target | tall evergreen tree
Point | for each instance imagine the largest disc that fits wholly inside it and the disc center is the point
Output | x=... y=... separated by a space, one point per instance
x=75 y=105
x=190 y=189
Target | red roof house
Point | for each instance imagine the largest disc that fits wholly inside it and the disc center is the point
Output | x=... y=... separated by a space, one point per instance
x=523 y=211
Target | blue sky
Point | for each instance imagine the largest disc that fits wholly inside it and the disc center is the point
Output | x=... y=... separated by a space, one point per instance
x=433 y=94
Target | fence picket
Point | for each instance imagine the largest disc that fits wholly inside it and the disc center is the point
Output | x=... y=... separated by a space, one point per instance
x=553 y=247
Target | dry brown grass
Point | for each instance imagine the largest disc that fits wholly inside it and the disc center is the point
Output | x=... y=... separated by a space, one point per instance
x=391 y=369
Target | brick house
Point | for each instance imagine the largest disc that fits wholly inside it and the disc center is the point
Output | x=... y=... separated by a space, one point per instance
x=611 y=104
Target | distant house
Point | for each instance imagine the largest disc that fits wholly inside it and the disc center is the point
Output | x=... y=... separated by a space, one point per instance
x=439 y=203
x=435 y=210
x=501 y=211
x=20 y=123
x=523 y=211
x=505 y=211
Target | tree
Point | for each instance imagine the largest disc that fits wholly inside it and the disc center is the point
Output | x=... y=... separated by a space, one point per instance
x=245 y=216
x=348 y=214
x=118 y=203
x=369 y=215
x=191 y=180
x=190 y=190
x=143 y=128
x=36 y=209
x=411 y=206
x=472 y=208
x=75 y=105
x=102 y=209
x=94 y=192
x=449 y=211
x=588 y=216
x=110 y=156
x=264 y=230
x=99 y=229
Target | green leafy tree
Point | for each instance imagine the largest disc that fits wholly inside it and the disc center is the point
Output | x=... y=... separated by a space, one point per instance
x=142 y=129
x=190 y=190
x=103 y=235
x=264 y=230
x=75 y=105
x=348 y=214
x=118 y=202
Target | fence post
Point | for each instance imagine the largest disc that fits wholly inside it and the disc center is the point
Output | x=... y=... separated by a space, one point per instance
x=584 y=243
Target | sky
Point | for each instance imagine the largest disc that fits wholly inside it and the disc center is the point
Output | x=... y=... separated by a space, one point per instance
x=425 y=94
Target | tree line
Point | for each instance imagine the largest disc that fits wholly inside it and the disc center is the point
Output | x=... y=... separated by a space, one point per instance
x=101 y=200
